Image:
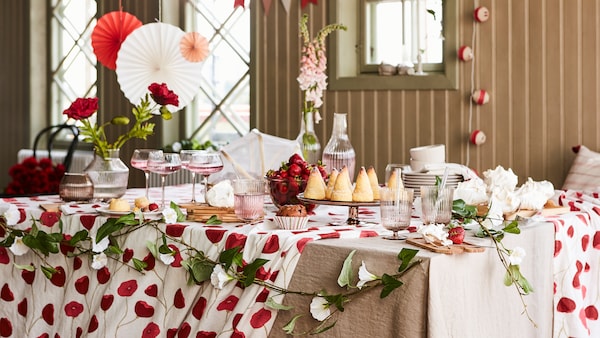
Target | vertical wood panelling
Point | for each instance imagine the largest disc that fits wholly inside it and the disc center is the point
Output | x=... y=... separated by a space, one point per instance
x=538 y=59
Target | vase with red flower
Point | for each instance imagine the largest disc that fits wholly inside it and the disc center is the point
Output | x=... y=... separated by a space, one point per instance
x=107 y=171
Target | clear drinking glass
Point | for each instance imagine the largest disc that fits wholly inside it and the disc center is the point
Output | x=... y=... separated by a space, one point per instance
x=163 y=164
x=139 y=160
x=436 y=204
x=186 y=156
x=249 y=198
x=205 y=163
x=396 y=210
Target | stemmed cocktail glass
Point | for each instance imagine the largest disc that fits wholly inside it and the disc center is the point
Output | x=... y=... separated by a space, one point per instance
x=139 y=160
x=163 y=164
x=186 y=156
x=205 y=163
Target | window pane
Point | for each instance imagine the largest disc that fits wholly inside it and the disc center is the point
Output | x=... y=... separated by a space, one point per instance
x=396 y=30
x=221 y=110
x=72 y=61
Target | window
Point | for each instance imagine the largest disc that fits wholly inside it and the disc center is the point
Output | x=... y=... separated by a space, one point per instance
x=373 y=36
x=72 y=59
x=221 y=110
x=399 y=31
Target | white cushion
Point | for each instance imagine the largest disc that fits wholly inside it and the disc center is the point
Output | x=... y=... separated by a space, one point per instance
x=584 y=174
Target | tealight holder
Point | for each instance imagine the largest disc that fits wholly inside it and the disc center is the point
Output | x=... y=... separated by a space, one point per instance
x=76 y=187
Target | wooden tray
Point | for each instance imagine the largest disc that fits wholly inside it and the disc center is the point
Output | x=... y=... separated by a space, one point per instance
x=449 y=250
x=202 y=212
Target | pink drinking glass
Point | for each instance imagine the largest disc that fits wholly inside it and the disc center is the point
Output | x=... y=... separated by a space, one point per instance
x=163 y=164
x=186 y=156
x=139 y=160
x=205 y=163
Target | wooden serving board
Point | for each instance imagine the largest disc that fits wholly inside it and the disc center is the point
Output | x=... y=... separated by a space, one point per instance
x=202 y=212
x=449 y=250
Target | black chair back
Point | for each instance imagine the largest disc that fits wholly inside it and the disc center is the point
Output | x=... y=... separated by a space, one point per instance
x=51 y=132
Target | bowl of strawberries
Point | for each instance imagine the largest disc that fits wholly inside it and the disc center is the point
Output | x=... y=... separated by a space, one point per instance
x=290 y=180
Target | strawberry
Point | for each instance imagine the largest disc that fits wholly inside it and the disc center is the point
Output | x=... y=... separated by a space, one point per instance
x=297 y=159
x=294 y=170
x=456 y=234
x=152 y=206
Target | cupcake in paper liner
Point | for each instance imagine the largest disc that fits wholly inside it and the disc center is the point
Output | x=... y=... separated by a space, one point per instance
x=291 y=223
x=292 y=217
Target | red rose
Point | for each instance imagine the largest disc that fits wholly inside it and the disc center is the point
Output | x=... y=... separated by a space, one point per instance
x=162 y=95
x=82 y=108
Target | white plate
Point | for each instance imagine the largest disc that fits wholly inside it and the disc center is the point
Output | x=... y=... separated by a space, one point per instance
x=107 y=212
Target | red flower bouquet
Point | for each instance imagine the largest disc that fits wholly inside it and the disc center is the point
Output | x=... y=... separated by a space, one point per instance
x=35 y=177
x=83 y=108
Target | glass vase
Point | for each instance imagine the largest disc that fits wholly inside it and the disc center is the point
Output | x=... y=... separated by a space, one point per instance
x=109 y=175
x=339 y=151
x=308 y=140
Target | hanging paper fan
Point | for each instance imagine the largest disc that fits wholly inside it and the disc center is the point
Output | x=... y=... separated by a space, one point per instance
x=109 y=33
x=151 y=54
x=194 y=47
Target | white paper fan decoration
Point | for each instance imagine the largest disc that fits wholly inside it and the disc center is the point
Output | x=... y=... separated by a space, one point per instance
x=151 y=54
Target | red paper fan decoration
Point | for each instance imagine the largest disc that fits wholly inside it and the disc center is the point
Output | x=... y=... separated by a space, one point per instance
x=194 y=47
x=109 y=33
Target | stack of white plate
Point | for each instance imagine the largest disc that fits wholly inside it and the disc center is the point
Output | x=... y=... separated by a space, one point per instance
x=416 y=180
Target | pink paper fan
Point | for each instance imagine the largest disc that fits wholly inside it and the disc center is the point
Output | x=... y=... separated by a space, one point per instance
x=109 y=33
x=194 y=47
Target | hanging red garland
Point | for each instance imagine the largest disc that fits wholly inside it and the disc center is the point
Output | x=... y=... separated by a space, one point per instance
x=306 y=2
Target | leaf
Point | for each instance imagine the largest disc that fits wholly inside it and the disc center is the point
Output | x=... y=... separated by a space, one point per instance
x=389 y=284
x=512 y=227
x=525 y=286
x=345 y=277
x=114 y=249
x=271 y=303
x=25 y=267
x=230 y=257
x=78 y=237
x=44 y=243
x=322 y=328
x=432 y=12
x=153 y=248
x=405 y=256
x=338 y=300
x=48 y=271
x=180 y=215
x=289 y=327
x=201 y=271
x=250 y=270
x=139 y=264
x=109 y=227
x=214 y=220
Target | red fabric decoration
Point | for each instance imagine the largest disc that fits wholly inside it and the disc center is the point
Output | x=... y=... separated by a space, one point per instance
x=306 y=2
x=110 y=32
x=238 y=3
x=266 y=6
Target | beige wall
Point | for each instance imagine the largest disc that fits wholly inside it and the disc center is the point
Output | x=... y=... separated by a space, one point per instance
x=538 y=59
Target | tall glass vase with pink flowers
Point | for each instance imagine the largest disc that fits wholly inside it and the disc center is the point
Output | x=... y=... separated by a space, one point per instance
x=313 y=82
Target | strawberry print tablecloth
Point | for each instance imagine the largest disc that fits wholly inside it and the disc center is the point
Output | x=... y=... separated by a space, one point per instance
x=577 y=266
x=118 y=301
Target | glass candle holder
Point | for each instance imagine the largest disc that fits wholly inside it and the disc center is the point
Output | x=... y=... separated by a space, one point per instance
x=76 y=187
